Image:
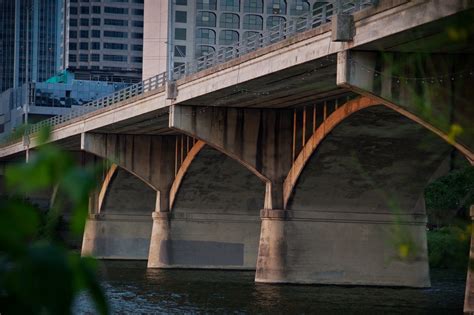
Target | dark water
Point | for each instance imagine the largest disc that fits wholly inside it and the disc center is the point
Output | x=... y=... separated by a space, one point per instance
x=131 y=288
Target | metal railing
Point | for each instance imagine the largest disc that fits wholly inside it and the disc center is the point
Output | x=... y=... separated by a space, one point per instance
x=317 y=17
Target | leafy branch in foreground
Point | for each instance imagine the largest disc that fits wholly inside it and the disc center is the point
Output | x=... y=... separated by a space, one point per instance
x=38 y=274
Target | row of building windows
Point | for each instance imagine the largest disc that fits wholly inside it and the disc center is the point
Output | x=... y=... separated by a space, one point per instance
x=96 y=46
x=96 y=57
x=121 y=1
x=230 y=20
x=96 y=34
x=97 y=22
x=97 y=10
x=257 y=6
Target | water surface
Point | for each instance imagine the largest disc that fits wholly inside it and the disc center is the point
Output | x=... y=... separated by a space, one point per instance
x=131 y=288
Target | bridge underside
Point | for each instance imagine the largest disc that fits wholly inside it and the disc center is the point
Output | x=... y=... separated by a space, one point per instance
x=352 y=212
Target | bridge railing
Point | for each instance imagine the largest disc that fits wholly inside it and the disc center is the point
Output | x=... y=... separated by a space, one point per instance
x=317 y=17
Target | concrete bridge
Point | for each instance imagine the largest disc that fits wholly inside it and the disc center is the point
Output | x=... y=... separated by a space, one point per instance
x=305 y=160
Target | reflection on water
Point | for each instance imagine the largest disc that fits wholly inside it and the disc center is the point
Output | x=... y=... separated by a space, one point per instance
x=131 y=288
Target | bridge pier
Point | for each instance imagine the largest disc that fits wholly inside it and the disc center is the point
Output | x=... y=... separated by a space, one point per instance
x=328 y=248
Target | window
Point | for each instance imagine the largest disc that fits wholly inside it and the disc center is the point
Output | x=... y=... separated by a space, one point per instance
x=72 y=22
x=115 y=46
x=229 y=20
x=72 y=46
x=72 y=10
x=95 y=45
x=179 y=51
x=137 y=35
x=137 y=47
x=178 y=65
x=95 y=57
x=84 y=46
x=181 y=2
x=96 y=22
x=273 y=21
x=253 y=22
x=118 y=58
x=115 y=22
x=95 y=33
x=206 y=4
x=137 y=59
x=83 y=57
x=96 y=9
x=84 y=10
x=230 y=5
x=72 y=34
x=205 y=18
x=180 y=33
x=202 y=50
x=72 y=58
x=227 y=37
x=277 y=7
x=84 y=34
x=180 y=16
x=84 y=22
x=323 y=9
x=205 y=36
x=137 y=23
x=298 y=7
x=137 y=1
x=137 y=11
x=115 y=34
x=115 y=10
x=253 y=6
x=252 y=37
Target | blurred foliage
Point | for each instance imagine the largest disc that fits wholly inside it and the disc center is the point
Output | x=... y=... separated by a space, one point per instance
x=448 y=247
x=38 y=274
x=450 y=195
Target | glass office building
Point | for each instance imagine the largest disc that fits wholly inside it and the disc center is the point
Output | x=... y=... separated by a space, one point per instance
x=31 y=41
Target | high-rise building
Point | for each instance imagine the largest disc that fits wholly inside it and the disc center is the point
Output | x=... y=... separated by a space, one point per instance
x=104 y=39
x=30 y=41
x=179 y=31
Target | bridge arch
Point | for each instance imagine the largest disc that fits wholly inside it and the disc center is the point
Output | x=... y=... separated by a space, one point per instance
x=339 y=115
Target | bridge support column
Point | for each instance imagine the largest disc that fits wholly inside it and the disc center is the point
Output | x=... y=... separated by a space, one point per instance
x=325 y=248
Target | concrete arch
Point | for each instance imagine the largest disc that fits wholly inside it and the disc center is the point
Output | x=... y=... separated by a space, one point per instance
x=183 y=169
x=216 y=183
x=124 y=193
x=215 y=218
x=359 y=200
x=121 y=227
x=339 y=115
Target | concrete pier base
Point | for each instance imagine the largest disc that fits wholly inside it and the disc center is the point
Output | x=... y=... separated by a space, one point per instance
x=117 y=236
x=204 y=241
x=340 y=248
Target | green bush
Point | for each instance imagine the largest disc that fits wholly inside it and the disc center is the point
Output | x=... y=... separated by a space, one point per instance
x=448 y=247
x=450 y=195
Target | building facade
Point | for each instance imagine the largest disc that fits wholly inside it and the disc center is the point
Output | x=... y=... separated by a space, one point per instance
x=31 y=41
x=179 y=31
x=104 y=39
x=33 y=102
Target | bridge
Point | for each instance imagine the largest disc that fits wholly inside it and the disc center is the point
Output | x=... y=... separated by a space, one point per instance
x=302 y=154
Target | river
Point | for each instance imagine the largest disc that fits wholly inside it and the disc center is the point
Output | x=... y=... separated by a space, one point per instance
x=131 y=288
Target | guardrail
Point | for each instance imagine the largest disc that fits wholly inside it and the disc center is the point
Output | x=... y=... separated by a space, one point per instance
x=317 y=17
